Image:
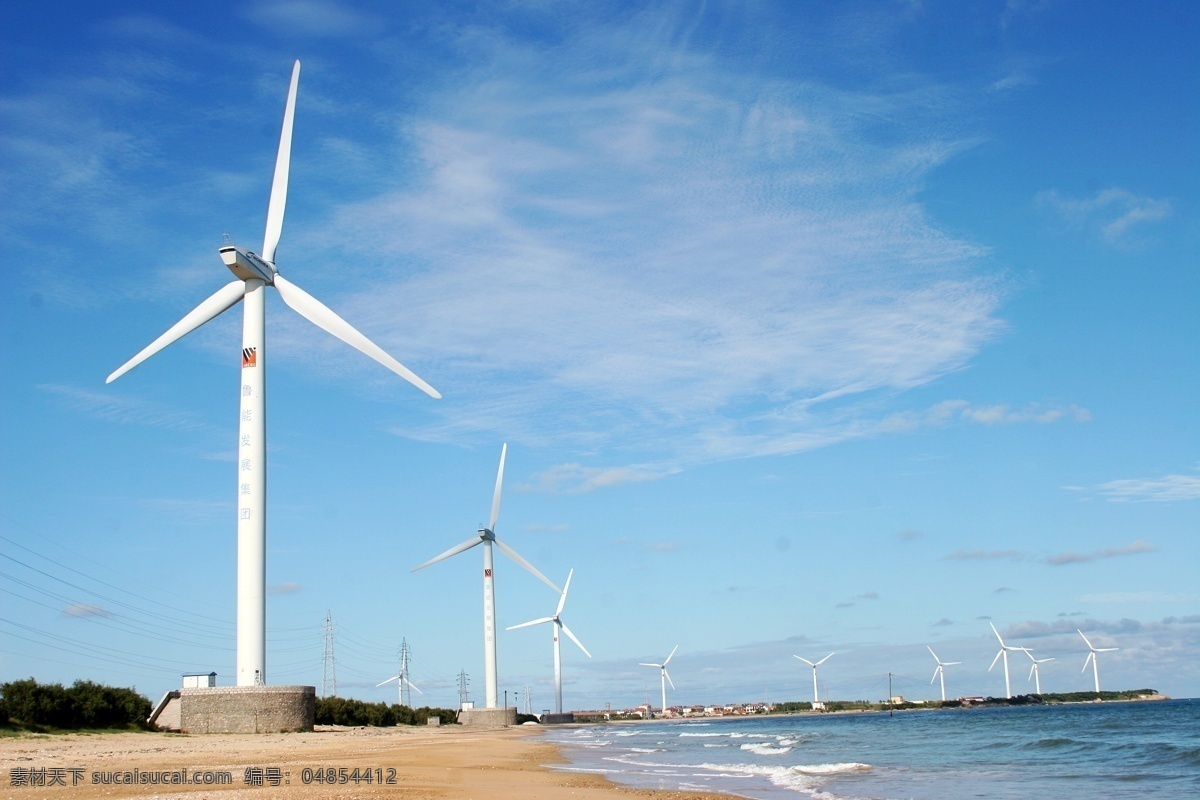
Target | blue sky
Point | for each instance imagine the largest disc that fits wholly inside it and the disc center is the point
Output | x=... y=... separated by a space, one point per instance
x=810 y=327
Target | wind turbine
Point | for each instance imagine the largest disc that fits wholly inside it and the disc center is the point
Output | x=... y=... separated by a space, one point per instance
x=1034 y=672
x=1092 y=658
x=401 y=681
x=1004 y=650
x=940 y=671
x=487 y=537
x=664 y=679
x=558 y=626
x=814 y=669
x=253 y=274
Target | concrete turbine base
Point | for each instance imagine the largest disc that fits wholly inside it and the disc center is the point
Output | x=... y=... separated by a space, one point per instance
x=488 y=717
x=247 y=709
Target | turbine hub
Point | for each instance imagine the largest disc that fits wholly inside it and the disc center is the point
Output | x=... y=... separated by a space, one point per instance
x=247 y=265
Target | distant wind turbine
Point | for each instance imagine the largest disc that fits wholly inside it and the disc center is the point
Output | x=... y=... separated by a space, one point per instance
x=664 y=678
x=814 y=669
x=401 y=681
x=940 y=671
x=1034 y=673
x=253 y=273
x=558 y=625
x=1004 y=651
x=1092 y=658
x=487 y=537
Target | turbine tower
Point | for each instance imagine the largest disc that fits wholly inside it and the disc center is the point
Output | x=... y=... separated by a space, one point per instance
x=557 y=627
x=1092 y=658
x=253 y=274
x=1004 y=651
x=1034 y=672
x=486 y=537
x=940 y=671
x=664 y=678
x=814 y=669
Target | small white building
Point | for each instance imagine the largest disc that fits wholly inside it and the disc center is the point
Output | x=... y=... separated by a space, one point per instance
x=197 y=680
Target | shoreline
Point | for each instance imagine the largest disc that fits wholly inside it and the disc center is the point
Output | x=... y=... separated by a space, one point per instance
x=446 y=763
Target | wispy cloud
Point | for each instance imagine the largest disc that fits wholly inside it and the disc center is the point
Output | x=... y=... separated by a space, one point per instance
x=84 y=610
x=286 y=588
x=1169 y=488
x=1070 y=557
x=576 y=478
x=316 y=18
x=987 y=555
x=1111 y=212
x=666 y=251
x=113 y=406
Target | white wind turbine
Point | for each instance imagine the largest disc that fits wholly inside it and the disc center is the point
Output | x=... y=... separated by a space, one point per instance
x=1004 y=651
x=401 y=681
x=1034 y=672
x=253 y=274
x=487 y=537
x=814 y=669
x=664 y=678
x=559 y=625
x=940 y=671
x=1092 y=658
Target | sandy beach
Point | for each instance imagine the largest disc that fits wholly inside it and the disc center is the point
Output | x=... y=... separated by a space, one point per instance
x=448 y=763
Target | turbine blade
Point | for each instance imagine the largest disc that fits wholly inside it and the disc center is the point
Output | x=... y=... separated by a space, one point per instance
x=496 y=492
x=668 y=661
x=935 y=658
x=562 y=600
x=1087 y=661
x=389 y=680
x=531 y=622
x=951 y=663
x=453 y=551
x=567 y=631
x=1106 y=649
x=1089 y=644
x=823 y=660
x=413 y=686
x=644 y=664
x=997 y=658
x=318 y=314
x=805 y=660
x=668 y=677
x=508 y=551
x=221 y=300
x=997 y=634
x=935 y=673
x=1031 y=671
x=283 y=161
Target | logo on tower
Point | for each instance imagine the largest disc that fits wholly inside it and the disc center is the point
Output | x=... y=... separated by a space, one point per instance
x=249 y=357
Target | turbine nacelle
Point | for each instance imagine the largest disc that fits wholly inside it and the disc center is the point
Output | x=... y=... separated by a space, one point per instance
x=248 y=265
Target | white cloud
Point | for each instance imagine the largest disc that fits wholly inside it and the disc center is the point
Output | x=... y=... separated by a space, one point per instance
x=1070 y=557
x=320 y=18
x=115 y=407
x=1169 y=488
x=603 y=244
x=1112 y=212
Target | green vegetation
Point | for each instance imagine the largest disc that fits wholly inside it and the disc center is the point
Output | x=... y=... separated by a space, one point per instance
x=32 y=706
x=343 y=711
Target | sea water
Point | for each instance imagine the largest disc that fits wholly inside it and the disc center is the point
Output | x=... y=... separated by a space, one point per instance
x=1089 y=750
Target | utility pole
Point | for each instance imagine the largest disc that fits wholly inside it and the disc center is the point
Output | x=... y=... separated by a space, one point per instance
x=329 y=674
x=528 y=703
x=891 y=705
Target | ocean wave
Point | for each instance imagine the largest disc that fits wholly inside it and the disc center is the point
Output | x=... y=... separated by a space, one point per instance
x=765 y=749
x=700 y=735
x=647 y=750
x=807 y=778
x=628 y=733
x=707 y=744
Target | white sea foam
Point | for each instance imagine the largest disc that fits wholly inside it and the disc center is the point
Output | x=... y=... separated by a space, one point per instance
x=647 y=750
x=808 y=778
x=765 y=749
x=628 y=733
x=709 y=744
x=699 y=735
